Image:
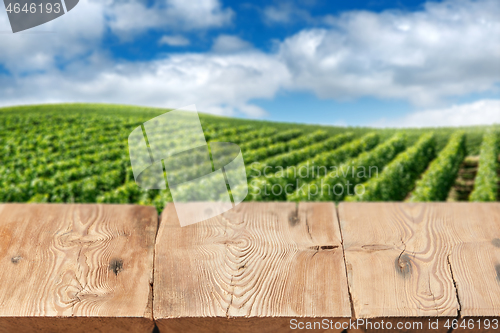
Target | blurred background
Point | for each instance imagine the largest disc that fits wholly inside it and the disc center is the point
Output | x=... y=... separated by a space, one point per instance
x=382 y=63
x=297 y=85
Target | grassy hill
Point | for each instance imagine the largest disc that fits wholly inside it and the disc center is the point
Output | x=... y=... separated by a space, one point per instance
x=79 y=152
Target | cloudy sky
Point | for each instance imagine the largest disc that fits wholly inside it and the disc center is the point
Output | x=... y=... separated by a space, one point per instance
x=375 y=62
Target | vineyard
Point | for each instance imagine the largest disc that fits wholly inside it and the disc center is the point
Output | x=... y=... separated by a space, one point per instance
x=79 y=153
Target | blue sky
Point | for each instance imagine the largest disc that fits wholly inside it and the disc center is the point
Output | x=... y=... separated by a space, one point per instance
x=251 y=23
x=362 y=63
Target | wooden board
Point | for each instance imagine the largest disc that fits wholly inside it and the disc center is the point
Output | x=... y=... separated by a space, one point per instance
x=251 y=269
x=76 y=268
x=256 y=268
x=475 y=260
x=422 y=262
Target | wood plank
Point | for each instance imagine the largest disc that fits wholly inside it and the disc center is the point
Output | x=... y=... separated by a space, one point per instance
x=397 y=262
x=475 y=261
x=76 y=268
x=251 y=269
x=435 y=260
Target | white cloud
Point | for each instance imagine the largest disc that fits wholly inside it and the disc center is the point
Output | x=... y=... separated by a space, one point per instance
x=80 y=32
x=70 y=65
x=75 y=34
x=131 y=17
x=228 y=44
x=284 y=13
x=445 y=50
x=483 y=112
x=216 y=83
x=176 y=40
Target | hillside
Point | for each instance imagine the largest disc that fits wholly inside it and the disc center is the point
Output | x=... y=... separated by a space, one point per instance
x=79 y=153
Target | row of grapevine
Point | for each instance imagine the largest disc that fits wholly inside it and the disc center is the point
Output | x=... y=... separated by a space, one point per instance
x=55 y=156
x=256 y=135
x=199 y=156
x=13 y=152
x=283 y=147
x=442 y=172
x=211 y=135
x=80 y=160
x=314 y=167
x=262 y=188
x=278 y=137
x=49 y=160
x=300 y=154
x=342 y=180
x=126 y=193
x=293 y=156
x=398 y=177
x=86 y=189
x=63 y=143
x=486 y=182
x=103 y=174
x=49 y=170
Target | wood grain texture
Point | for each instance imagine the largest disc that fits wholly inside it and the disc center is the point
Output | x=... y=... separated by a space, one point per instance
x=397 y=261
x=435 y=260
x=76 y=268
x=250 y=269
x=475 y=258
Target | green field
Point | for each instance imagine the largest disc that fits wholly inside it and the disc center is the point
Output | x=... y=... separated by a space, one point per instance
x=79 y=153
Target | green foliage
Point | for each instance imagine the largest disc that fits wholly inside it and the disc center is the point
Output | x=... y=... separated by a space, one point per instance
x=486 y=183
x=343 y=180
x=442 y=172
x=398 y=177
x=79 y=153
x=313 y=167
x=217 y=132
x=282 y=147
x=244 y=138
x=313 y=160
x=260 y=186
x=303 y=151
x=269 y=140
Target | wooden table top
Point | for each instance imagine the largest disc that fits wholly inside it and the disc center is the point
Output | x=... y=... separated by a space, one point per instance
x=260 y=267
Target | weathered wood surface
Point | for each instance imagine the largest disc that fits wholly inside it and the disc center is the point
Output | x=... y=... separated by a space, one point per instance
x=419 y=261
x=250 y=269
x=76 y=268
x=89 y=268
x=475 y=256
